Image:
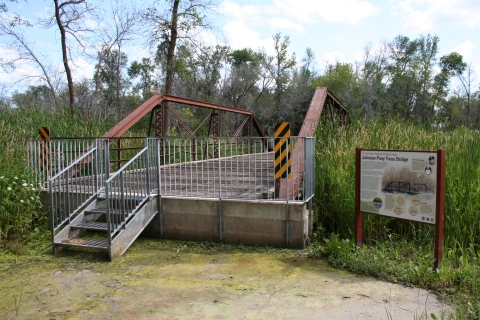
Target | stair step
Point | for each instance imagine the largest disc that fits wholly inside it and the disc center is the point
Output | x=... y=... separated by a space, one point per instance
x=84 y=243
x=118 y=197
x=97 y=226
x=104 y=211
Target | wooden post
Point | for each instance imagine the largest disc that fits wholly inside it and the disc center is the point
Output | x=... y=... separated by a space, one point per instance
x=358 y=213
x=440 y=207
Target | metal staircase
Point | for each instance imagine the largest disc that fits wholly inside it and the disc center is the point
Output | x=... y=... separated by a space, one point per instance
x=91 y=208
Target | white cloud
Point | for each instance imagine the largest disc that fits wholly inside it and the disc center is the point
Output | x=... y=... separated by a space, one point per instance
x=333 y=57
x=424 y=15
x=282 y=23
x=241 y=36
x=81 y=69
x=310 y=11
x=232 y=9
x=465 y=49
x=476 y=67
x=244 y=21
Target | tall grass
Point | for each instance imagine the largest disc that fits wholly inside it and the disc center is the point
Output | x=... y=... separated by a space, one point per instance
x=24 y=122
x=335 y=179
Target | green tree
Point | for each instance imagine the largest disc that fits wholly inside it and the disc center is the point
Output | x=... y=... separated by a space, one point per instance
x=283 y=65
x=180 y=22
x=113 y=81
x=143 y=70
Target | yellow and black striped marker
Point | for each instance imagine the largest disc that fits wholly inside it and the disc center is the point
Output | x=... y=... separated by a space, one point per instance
x=282 y=150
x=44 y=138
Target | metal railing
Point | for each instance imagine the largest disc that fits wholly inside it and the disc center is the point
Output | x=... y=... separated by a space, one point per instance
x=62 y=152
x=78 y=183
x=130 y=187
x=236 y=168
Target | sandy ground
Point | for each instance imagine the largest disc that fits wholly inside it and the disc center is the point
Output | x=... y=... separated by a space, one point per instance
x=154 y=281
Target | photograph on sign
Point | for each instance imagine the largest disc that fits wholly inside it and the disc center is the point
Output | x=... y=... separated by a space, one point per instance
x=399 y=184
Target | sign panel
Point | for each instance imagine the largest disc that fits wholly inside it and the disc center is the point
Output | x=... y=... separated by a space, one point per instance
x=399 y=184
x=282 y=150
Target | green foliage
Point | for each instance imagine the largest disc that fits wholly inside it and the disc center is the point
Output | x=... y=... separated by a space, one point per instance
x=24 y=122
x=338 y=77
x=20 y=206
x=335 y=174
x=143 y=70
x=242 y=56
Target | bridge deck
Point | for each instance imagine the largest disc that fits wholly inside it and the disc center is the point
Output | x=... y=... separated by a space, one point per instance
x=246 y=176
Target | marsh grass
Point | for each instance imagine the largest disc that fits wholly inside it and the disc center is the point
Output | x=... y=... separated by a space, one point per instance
x=335 y=179
x=398 y=250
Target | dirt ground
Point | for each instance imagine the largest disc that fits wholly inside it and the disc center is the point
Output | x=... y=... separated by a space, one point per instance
x=178 y=280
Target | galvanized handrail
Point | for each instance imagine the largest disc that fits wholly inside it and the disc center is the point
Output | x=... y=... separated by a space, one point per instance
x=60 y=153
x=236 y=168
x=77 y=184
x=129 y=188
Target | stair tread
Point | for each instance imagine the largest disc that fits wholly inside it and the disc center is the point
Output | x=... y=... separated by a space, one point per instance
x=104 y=210
x=102 y=226
x=85 y=243
x=126 y=198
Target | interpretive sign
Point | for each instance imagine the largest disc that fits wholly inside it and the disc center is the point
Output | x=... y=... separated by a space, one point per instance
x=399 y=184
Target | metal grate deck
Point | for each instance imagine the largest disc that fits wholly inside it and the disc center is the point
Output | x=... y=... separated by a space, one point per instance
x=84 y=243
x=97 y=226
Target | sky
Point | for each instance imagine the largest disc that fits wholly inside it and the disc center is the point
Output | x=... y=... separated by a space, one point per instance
x=336 y=30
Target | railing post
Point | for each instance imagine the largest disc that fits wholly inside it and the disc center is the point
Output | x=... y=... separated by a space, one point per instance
x=107 y=159
x=287 y=214
x=220 y=218
x=52 y=214
x=147 y=167
x=67 y=191
x=122 y=218
x=109 y=226
x=95 y=167
x=159 y=185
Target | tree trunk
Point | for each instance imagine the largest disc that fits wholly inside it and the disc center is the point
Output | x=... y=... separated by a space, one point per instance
x=63 y=39
x=170 y=56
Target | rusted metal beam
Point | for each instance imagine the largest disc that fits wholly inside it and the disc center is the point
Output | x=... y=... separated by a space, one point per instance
x=160 y=113
x=184 y=125
x=323 y=98
x=159 y=117
x=237 y=133
x=133 y=117
x=206 y=118
x=204 y=104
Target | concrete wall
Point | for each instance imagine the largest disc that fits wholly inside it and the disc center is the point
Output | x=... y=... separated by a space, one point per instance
x=257 y=222
x=232 y=221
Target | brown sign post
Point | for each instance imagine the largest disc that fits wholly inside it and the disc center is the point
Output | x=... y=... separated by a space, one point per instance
x=401 y=184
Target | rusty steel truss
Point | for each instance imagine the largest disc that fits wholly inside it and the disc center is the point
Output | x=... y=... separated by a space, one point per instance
x=324 y=106
x=159 y=106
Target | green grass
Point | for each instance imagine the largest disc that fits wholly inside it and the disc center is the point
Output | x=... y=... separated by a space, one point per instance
x=335 y=179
